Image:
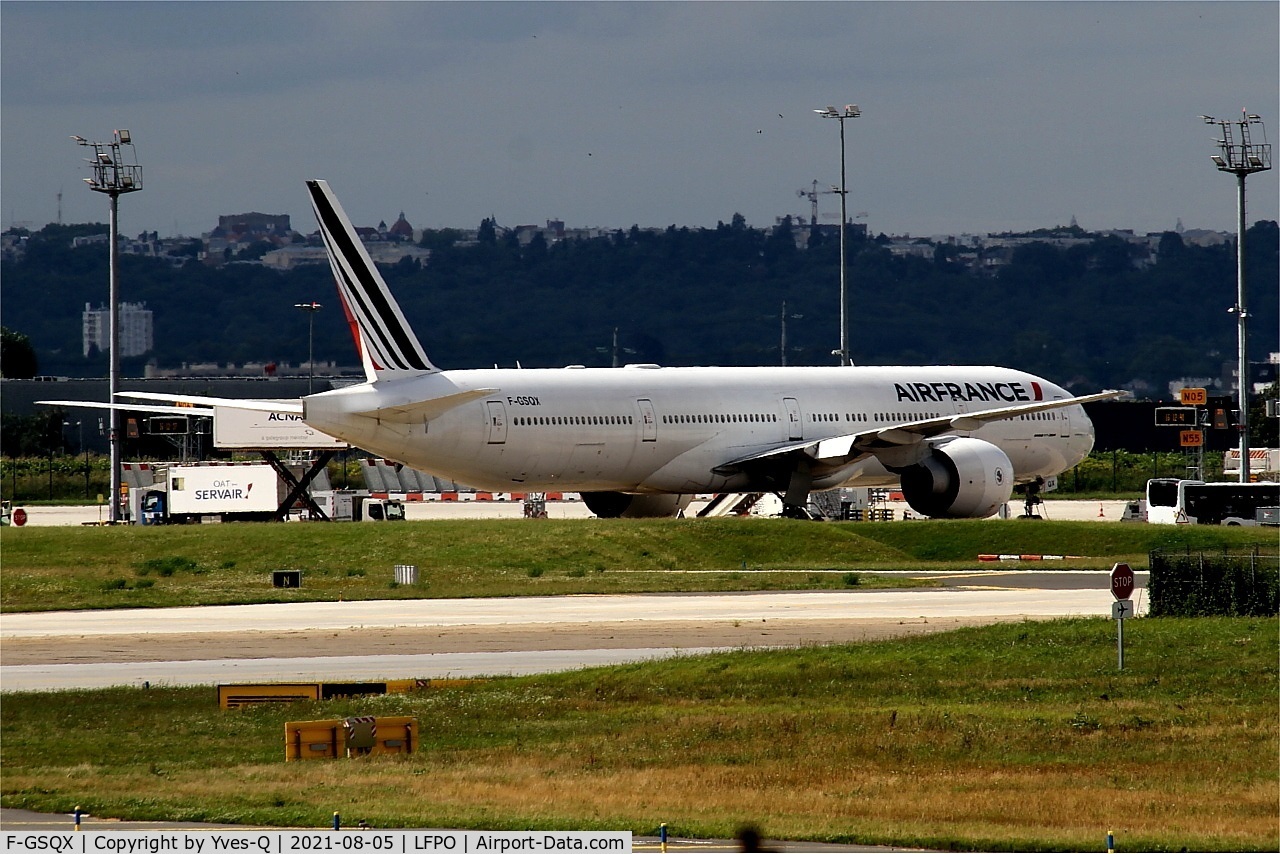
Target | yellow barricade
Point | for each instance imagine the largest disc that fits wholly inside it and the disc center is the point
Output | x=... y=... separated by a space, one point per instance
x=249 y=694
x=349 y=737
x=234 y=696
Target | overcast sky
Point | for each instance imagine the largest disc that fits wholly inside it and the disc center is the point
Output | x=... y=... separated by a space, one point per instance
x=976 y=117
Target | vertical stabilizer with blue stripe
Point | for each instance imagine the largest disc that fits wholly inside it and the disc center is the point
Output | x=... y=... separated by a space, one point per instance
x=388 y=347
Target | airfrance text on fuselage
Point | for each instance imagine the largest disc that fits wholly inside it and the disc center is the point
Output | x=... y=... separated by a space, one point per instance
x=937 y=392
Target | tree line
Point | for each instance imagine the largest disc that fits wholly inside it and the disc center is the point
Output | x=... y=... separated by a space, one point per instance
x=1084 y=316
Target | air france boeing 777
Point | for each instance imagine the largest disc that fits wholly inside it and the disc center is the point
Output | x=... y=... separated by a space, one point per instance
x=639 y=440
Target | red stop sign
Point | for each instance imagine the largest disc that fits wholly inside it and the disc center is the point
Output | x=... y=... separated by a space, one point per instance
x=19 y=517
x=1121 y=581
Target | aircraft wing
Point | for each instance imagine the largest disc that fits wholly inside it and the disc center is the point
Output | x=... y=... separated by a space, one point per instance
x=837 y=451
x=292 y=406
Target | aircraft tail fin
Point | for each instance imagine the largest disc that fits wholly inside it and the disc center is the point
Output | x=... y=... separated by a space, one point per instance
x=388 y=347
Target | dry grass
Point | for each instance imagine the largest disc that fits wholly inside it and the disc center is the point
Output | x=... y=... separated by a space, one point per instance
x=1012 y=737
x=983 y=806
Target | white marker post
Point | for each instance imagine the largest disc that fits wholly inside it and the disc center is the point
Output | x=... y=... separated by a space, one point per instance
x=1122 y=608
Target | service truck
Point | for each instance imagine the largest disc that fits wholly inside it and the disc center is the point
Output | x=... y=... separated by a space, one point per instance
x=217 y=492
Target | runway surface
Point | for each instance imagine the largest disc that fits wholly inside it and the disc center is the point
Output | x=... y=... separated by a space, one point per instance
x=434 y=638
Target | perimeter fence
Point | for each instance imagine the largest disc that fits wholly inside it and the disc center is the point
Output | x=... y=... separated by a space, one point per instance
x=1241 y=582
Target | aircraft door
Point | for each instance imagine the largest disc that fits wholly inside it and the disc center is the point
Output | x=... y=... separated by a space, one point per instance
x=795 y=426
x=648 y=421
x=497 y=422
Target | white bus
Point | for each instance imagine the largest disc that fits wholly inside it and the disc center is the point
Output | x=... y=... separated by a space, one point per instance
x=1171 y=501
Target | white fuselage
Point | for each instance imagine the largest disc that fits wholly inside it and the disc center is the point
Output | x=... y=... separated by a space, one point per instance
x=646 y=429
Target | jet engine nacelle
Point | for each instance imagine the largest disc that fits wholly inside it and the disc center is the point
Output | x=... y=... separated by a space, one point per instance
x=962 y=479
x=621 y=505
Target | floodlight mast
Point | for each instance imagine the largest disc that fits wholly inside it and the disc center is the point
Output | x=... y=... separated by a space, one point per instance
x=1241 y=158
x=310 y=308
x=115 y=171
x=850 y=111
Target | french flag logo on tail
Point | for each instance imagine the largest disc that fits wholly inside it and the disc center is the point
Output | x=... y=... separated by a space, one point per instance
x=388 y=347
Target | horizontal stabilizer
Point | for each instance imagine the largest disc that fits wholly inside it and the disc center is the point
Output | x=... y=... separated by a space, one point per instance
x=293 y=407
x=425 y=410
x=131 y=407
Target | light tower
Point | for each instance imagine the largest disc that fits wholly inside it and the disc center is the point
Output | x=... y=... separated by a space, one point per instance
x=850 y=111
x=310 y=308
x=115 y=172
x=1241 y=157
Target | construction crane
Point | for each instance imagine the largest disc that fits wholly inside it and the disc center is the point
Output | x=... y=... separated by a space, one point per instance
x=813 y=199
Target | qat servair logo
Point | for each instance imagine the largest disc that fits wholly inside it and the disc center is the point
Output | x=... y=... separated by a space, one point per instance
x=225 y=490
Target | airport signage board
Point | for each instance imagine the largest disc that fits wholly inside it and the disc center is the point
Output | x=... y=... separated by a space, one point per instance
x=1191 y=438
x=254 y=430
x=1175 y=416
x=1121 y=609
x=1193 y=397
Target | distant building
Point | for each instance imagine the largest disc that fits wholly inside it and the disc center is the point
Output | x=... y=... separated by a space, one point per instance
x=401 y=230
x=137 y=332
x=288 y=257
x=242 y=228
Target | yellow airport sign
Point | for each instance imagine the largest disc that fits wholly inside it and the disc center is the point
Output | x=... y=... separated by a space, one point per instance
x=233 y=696
x=1193 y=397
x=1191 y=438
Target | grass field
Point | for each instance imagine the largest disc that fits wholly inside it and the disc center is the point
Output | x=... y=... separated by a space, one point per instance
x=65 y=568
x=1011 y=737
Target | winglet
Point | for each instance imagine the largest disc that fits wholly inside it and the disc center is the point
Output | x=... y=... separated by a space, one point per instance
x=388 y=347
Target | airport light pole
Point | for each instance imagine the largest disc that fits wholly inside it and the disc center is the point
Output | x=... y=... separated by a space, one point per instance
x=1241 y=156
x=83 y=449
x=310 y=308
x=115 y=172
x=782 y=342
x=850 y=111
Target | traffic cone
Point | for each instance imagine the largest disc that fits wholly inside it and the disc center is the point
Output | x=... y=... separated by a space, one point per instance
x=1101 y=515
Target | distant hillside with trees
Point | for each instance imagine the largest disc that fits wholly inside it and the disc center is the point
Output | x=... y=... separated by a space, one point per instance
x=1085 y=316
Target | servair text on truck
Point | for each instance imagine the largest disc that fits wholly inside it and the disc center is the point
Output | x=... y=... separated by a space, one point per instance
x=229 y=492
